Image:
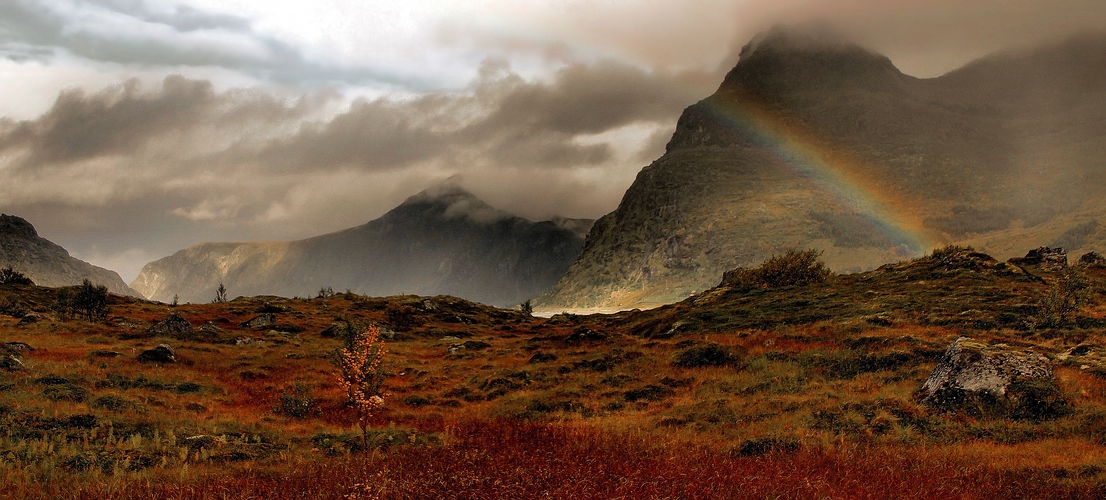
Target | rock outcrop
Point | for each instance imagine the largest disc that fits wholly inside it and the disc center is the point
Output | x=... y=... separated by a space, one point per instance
x=173 y=324
x=993 y=379
x=160 y=354
x=1048 y=259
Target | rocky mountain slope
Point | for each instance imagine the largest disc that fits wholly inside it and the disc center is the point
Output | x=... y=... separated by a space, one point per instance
x=441 y=241
x=48 y=264
x=814 y=142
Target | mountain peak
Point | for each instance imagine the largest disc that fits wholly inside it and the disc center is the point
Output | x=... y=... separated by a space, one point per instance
x=790 y=39
x=449 y=200
x=788 y=59
x=17 y=226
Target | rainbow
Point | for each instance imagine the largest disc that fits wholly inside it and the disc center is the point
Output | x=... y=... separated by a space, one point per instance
x=830 y=171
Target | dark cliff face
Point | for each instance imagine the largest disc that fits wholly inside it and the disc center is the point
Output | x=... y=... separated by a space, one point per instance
x=46 y=263
x=441 y=241
x=997 y=153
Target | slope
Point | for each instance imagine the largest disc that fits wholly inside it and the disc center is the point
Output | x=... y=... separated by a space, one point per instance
x=812 y=141
x=441 y=241
x=46 y=263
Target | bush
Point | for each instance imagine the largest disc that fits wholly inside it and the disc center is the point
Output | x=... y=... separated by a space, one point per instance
x=1063 y=299
x=706 y=355
x=792 y=268
x=297 y=404
x=9 y=276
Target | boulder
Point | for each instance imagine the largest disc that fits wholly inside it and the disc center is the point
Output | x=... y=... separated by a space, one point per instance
x=29 y=319
x=10 y=363
x=997 y=380
x=1092 y=259
x=160 y=354
x=264 y=320
x=173 y=324
x=211 y=327
x=1049 y=259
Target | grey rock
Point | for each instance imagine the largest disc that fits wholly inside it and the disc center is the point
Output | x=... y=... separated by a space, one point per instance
x=1049 y=259
x=173 y=324
x=10 y=363
x=160 y=354
x=970 y=369
x=265 y=320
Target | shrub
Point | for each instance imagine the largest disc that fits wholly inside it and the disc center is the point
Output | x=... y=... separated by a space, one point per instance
x=9 y=276
x=792 y=268
x=297 y=404
x=1063 y=299
x=706 y=355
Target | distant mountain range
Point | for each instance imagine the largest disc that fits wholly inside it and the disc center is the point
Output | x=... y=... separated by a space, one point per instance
x=48 y=264
x=443 y=240
x=814 y=142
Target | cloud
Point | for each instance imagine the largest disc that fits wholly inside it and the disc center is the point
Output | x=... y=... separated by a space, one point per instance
x=244 y=163
x=134 y=32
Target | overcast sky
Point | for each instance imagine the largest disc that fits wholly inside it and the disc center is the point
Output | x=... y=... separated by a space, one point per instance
x=130 y=129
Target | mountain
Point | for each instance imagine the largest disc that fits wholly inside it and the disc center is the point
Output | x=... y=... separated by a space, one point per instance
x=441 y=241
x=814 y=142
x=48 y=264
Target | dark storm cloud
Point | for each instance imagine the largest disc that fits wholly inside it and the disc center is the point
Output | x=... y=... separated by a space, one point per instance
x=122 y=120
x=502 y=121
x=131 y=32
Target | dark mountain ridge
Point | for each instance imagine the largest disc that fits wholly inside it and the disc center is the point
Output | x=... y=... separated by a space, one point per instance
x=48 y=264
x=441 y=241
x=812 y=141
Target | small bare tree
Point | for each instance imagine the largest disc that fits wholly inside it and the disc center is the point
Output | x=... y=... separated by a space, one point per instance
x=360 y=373
x=220 y=294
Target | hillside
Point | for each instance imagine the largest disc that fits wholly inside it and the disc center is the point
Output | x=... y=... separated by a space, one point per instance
x=48 y=264
x=744 y=391
x=440 y=241
x=814 y=142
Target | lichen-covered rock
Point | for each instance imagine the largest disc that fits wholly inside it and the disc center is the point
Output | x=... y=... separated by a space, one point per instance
x=160 y=354
x=1092 y=259
x=173 y=324
x=996 y=380
x=1049 y=259
x=264 y=320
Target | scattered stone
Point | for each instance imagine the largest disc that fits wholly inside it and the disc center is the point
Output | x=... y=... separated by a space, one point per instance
x=10 y=363
x=1092 y=259
x=586 y=334
x=429 y=305
x=211 y=327
x=160 y=354
x=264 y=320
x=1049 y=259
x=122 y=322
x=249 y=341
x=998 y=379
x=475 y=345
x=173 y=324
x=454 y=349
x=335 y=330
x=18 y=347
x=29 y=319
x=879 y=320
x=104 y=354
x=450 y=338
x=541 y=357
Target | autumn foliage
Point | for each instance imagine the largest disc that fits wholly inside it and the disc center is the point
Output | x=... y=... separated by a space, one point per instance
x=360 y=374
